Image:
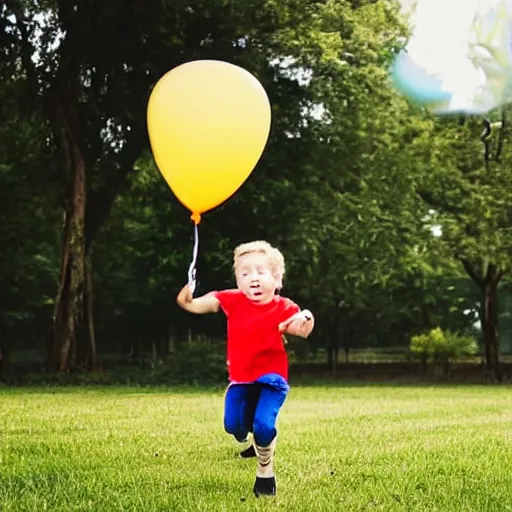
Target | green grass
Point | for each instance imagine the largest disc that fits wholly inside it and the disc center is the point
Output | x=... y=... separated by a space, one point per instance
x=347 y=448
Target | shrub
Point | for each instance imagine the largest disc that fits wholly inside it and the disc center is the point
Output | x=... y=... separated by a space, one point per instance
x=442 y=347
x=198 y=363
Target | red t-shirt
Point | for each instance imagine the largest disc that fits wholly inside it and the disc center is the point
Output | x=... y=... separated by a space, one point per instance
x=255 y=345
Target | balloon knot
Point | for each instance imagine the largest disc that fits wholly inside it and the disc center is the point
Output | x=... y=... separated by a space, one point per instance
x=196 y=217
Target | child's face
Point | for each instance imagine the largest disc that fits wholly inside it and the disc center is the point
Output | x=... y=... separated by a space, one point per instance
x=254 y=277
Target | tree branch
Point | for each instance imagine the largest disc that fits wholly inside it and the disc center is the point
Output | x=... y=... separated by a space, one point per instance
x=490 y=275
x=494 y=274
x=468 y=267
x=485 y=138
x=501 y=138
x=499 y=275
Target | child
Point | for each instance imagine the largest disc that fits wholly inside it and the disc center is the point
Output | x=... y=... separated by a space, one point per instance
x=256 y=358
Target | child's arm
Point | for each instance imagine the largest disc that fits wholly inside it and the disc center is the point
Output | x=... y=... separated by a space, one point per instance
x=206 y=304
x=301 y=324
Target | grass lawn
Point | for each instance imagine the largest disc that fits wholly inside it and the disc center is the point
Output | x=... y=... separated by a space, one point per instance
x=345 y=448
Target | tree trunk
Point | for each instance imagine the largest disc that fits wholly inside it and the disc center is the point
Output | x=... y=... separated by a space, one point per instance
x=335 y=363
x=63 y=110
x=69 y=303
x=489 y=321
x=92 y=352
x=488 y=283
x=332 y=359
x=423 y=363
x=330 y=355
x=334 y=349
x=171 y=342
x=60 y=311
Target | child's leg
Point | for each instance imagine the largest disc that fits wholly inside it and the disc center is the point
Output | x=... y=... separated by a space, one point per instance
x=239 y=410
x=269 y=403
x=265 y=437
x=253 y=395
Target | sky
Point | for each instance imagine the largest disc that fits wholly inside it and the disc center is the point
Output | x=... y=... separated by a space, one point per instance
x=440 y=44
x=441 y=32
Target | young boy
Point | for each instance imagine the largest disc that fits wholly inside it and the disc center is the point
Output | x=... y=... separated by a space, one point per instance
x=256 y=358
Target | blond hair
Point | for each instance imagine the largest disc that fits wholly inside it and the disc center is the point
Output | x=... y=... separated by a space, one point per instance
x=275 y=257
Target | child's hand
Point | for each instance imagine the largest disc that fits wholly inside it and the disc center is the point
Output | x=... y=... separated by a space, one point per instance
x=300 y=324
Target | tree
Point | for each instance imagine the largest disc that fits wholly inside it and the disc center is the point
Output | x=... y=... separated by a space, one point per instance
x=359 y=213
x=29 y=220
x=336 y=188
x=93 y=77
x=467 y=183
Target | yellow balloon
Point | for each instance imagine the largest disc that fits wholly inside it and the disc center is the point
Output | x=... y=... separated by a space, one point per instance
x=208 y=123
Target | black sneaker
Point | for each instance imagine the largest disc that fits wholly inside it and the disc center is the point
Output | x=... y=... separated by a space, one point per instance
x=264 y=486
x=248 y=452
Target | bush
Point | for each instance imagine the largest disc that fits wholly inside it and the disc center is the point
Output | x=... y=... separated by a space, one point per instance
x=438 y=346
x=198 y=363
x=459 y=345
x=194 y=364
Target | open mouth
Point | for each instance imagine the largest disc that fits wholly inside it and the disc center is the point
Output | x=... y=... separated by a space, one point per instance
x=256 y=292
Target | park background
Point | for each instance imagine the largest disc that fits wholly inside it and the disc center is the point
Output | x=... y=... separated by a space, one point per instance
x=393 y=222
x=396 y=229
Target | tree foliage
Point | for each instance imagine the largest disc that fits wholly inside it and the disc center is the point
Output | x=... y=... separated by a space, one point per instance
x=351 y=184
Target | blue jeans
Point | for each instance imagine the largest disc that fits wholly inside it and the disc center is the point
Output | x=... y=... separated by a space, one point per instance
x=253 y=408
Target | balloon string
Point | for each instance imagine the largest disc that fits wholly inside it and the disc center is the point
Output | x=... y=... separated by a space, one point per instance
x=192 y=268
